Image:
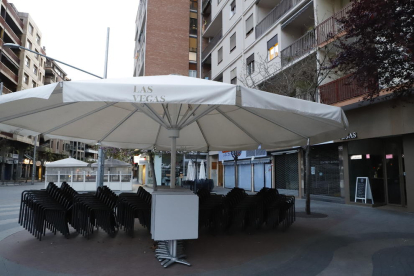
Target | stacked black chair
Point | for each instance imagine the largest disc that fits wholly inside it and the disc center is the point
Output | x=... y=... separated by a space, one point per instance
x=279 y=209
x=131 y=206
x=44 y=209
x=210 y=210
x=97 y=210
x=240 y=211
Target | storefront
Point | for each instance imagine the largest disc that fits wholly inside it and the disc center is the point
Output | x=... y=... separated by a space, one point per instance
x=380 y=148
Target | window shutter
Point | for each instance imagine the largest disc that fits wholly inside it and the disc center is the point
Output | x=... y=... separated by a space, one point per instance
x=249 y=24
x=220 y=54
x=250 y=59
x=233 y=41
x=272 y=42
x=233 y=73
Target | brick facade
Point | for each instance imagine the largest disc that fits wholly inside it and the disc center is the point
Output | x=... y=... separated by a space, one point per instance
x=167 y=44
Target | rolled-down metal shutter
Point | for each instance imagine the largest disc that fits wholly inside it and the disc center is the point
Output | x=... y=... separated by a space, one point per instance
x=287 y=175
x=259 y=176
x=245 y=176
x=229 y=176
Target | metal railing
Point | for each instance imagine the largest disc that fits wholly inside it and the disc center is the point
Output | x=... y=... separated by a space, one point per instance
x=339 y=90
x=8 y=72
x=212 y=43
x=330 y=28
x=274 y=15
x=10 y=31
x=11 y=54
x=13 y=14
x=299 y=48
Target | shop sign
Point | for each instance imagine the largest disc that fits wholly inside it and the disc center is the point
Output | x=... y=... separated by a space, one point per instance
x=363 y=190
x=352 y=135
x=15 y=156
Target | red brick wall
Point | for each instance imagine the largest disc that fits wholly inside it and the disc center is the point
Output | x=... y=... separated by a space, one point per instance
x=167 y=44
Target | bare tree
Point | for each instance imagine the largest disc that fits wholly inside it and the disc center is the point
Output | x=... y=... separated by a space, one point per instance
x=286 y=76
x=292 y=76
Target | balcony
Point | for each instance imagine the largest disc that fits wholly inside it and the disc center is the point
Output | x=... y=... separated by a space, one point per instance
x=213 y=42
x=274 y=15
x=11 y=54
x=340 y=90
x=13 y=14
x=5 y=70
x=331 y=28
x=6 y=90
x=207 y=75
x=299 y=48
x=10 y=32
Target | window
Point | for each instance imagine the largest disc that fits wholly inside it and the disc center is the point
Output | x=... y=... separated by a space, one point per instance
x=37 y=56
x=232 y=42
x=40 y=76
x=26 y=79
x=35 y=70
x=27 y=62
x=273 y=48
x=193 y=23
x=33 y=84
x=232 y=8
x=29 y=44
x=192 y=73
x=233 y=76
x=38 y=39
x=250 y=64
x=220 y=55
x=193 y=44
x=30 y=29
x=249 y=25
x=192 y=56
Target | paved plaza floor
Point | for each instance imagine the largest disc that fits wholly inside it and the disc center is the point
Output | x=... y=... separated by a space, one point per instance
x=349 y=240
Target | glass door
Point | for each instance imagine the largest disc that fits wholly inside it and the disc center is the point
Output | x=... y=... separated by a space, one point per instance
x=395 y=183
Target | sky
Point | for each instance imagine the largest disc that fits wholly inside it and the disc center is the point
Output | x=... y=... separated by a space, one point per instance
x=75 y=32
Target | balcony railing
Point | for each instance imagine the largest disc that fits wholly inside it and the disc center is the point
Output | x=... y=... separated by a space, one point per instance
x=11 y=54
x=340 y=90
x=6 y=90
x=8 y=72
x=274 y=15
x=299 y=48
x=13 y=14
x=330 y=28
x=212 y=43
x=10 y=31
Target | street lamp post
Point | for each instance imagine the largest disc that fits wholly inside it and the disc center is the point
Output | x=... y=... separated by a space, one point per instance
x=16 y=46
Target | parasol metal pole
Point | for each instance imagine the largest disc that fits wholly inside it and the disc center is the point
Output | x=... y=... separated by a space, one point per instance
x=101 y=158
x=34 y=160
x=173 y=134
x=208 y=163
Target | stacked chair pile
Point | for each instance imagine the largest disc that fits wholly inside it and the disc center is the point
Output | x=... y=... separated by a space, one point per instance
x=90 y=210
x=240 y=211
x=131 y=206
x=44 y=209
x=55 y=207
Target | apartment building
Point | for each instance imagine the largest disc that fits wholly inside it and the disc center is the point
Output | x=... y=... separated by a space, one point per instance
x=238 y=36
x=166 y=38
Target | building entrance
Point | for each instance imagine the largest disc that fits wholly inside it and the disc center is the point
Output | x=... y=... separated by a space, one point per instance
x=382 y=161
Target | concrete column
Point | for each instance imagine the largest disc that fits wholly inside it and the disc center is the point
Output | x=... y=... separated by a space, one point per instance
x=346 y=172
x=408 y=145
